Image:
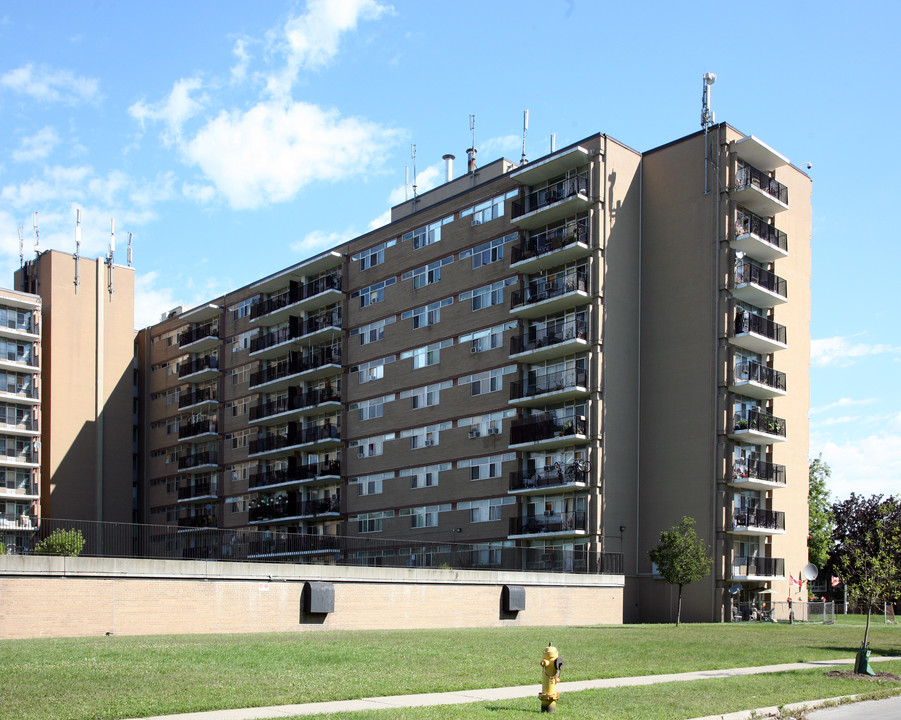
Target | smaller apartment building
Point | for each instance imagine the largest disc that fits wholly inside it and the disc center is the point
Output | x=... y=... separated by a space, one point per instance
x=20 y=405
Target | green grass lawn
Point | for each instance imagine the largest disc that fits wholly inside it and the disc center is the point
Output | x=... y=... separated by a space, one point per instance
x=116 y=677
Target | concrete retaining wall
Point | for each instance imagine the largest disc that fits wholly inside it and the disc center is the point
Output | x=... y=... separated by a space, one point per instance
x=64 y=597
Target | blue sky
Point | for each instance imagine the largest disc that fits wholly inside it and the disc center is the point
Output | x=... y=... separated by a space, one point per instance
x=234 y=139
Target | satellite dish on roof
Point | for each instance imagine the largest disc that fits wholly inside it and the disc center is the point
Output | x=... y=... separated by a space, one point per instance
x=810 y=571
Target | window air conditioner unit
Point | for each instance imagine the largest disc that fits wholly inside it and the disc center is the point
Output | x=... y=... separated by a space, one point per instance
x=474 y=349
x=474 y=433
x=429 y=443
x=494 y=431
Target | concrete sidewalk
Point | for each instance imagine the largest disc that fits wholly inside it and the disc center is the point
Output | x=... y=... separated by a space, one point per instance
x=493 y=694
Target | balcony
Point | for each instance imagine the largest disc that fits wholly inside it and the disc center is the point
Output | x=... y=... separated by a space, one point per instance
x=17 y=390
x=758 y=568
x=758 y=428
x=12 y=521
x=544 y=431
x=198 y=431
x=194 y=399
x=22 y=491
x=298 y=298
x=563 y=339
x=198 y=339
x=277 y=342
x=20 y=456
x=558 y=200
x=22 y=426
x=552 y=387
x=757 y=475
x=757 y=521
x=284 y=508
x=757 y=238
x=198 y=521
x=306 y=474
x=17 y=359
x=547 y=297
x=558 y=477
x=551 y=248
x=759 y=192
x=199 y=491
x=755 y=380
x=199 y=369
x=319 y=363
x=288 y=407
x=757 y=333
x=199 y=461
x=553 y=166
x=567 y=524
x=759 y=287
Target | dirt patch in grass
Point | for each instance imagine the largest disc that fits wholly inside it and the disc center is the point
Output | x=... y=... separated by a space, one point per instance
x=858 y=676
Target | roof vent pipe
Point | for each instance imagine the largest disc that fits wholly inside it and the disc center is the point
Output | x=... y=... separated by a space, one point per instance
x=553 y=142
x=471 y=155
x=448 y=167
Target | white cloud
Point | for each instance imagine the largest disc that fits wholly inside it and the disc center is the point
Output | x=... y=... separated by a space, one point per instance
x=174 y=110
x=319 y=241
x=864 y=466
x=840 y=403
x=842 y=352
x=152 y=299
x=503 y=146
x=49 y=85
x=199 y=193
x=270 y=152
x=311 y=40
x=37 y=146
x=239 y=69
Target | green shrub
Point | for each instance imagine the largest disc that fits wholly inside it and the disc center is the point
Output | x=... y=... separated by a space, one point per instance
x=61 y=542
x=2 y=548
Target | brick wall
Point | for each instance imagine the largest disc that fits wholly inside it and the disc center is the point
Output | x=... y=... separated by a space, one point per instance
x=64 y=597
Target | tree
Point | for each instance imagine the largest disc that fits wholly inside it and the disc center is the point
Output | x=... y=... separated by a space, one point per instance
x=681 y=557
x=819 y=538
x=867 y=551
x=61 y=542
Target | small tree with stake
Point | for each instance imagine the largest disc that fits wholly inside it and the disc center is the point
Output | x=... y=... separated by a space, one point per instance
x=867 y=554
x=681 y=557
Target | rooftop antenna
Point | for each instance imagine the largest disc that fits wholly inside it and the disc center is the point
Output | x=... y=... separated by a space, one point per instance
x=77 y=244
x=37 y=235
x=525 y=128
x=708 y=118
x=129 y=250
x=21 y=229
x=471 y=152
x=112 y=252
x=406 y=181
x=413 y=155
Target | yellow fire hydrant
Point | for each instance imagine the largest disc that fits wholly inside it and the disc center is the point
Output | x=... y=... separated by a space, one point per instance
x=550 y=666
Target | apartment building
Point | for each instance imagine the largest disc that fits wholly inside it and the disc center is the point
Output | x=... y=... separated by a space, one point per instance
x=565 y=356
x=88 y=432
x=20 y=416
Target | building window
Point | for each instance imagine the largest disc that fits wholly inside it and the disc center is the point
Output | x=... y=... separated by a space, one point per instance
x=486 y=382
x=370 y=484
x=375 y=293
x=426 y=436
x=487 y=339
x=373 y=370
x=427 y=274
x=427 y=476
x=243 y=308
x=374 y=331
x=483 y=468
x=427 y=314
x=426 y=516
x=373 y=256
x=488 y=210
x=371 y=522
x=426 y=396
x=371 y=409
x=426 y=356
x=372 y=446
x=487 y=295
x=427 y=234
x=485 y=510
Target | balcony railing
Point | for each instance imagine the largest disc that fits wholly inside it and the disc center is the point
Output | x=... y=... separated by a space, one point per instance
x=200 y=427
x=758 y=470
x=195 y=397
x=198 y=333
x=748 y=322
x=758 y=518
x=198 y=521
x=551 y=336
x=539 y=290
x=758 y=567
x=282 y=507
x=747 y=176
x=760 y=422
x=551 y=382
x=209 y=457
x=748 y=273
x=295 y=331
x=206 y=488
x=284 y=404
x=554 y=193
x=14 y=521
x=753 y=371
x=550 y=240
x=207 y=362
x=299 y=474
x=26 y=423
x=296 y=364
x=542 y=426
x=558 y=475
x=296 y=436
x=553 y=523
x=296 y=294
x=747 y=223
